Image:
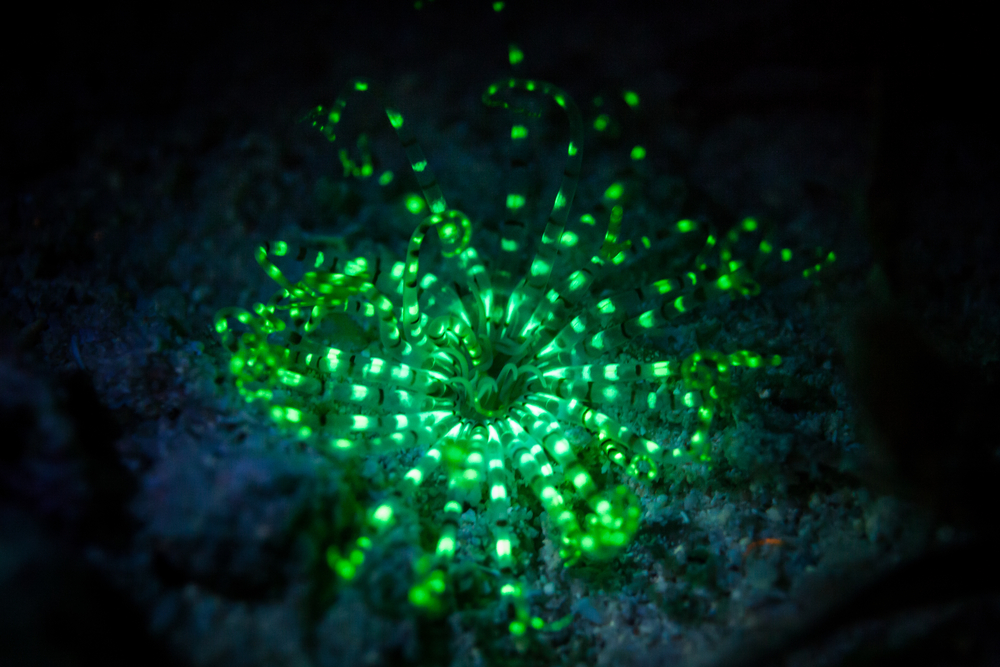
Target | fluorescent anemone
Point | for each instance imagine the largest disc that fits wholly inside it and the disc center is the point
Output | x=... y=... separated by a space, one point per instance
x=491 y=371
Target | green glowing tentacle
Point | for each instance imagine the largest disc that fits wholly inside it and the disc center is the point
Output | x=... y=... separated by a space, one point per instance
x=540 y=268
x=327 y=120
x=556 y=303
x=577 y=412
x=513 y=228
x=498 y=503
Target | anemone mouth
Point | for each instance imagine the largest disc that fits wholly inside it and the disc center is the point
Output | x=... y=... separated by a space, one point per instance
x=491 y=392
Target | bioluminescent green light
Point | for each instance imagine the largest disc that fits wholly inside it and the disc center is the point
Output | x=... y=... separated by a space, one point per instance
x=514 y=53
x=488 y=371
x=414 y=204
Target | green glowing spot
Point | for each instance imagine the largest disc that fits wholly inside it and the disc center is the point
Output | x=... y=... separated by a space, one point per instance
x=580 y=480
x=684 y=226
x=514 y=53
x=446 y=546
x=638 y=153
x=587 y=219
x=515 y=201
x=569 y=239
x=517 y=628
x=419 y=166
x=382 y=515
x=356 y=267
x=766 y=247
x=724 y=282
x=540 y=267
x=577 y=279
x=518 y=132
x=647 y=319
x=749 y=224
x=614 y=191
x=679 y=304
x=601 y=122
x=786 y=254
x=560 y=201
x=503 y=548
x=345 y=569
x=646 y=242
x=631 y=98
x=385 y=178
x=498 y=492
x=509 y=245
x=360 y=85
x=572 y=150
x=414 y=204
x=290 y=378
